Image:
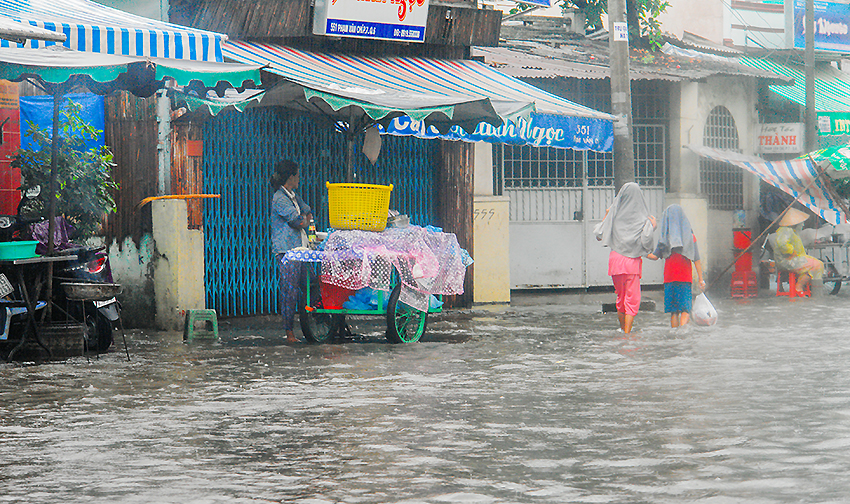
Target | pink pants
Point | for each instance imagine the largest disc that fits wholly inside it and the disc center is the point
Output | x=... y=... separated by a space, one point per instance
x=627 y=288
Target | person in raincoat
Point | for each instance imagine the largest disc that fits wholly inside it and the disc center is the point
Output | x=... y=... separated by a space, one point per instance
x=677 y=245
x=628 y=230
x=290 y=216
x=790 y=255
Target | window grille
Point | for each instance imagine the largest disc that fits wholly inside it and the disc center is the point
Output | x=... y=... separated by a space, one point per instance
x=526 y=167
x=539 y=167
x=722 y=183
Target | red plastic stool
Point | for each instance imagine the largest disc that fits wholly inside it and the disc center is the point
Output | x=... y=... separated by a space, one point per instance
x=791 y=278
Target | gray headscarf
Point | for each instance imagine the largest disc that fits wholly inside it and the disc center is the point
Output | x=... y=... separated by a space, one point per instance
x=676 y=232
x=627 y=228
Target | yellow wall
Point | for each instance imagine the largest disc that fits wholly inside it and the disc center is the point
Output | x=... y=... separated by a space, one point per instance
x=178 y=265
x=491 y=271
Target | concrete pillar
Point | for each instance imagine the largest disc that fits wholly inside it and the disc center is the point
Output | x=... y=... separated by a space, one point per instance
x=179 y=264
x=490 y=236
x=686 y=128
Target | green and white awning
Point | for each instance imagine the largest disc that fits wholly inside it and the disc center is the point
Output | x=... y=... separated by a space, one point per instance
x=57 y=65
x=832 y=92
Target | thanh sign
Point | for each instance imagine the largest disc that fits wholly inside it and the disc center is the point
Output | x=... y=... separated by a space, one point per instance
x=399 y=20
x=779 y=138
x=832 y=24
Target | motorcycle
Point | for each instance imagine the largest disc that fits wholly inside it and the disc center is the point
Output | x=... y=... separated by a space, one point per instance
x=83 y=288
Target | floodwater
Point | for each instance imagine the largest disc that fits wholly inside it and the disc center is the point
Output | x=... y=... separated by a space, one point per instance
x=540 y=402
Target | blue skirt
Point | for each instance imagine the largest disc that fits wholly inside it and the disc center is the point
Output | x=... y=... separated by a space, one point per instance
x=677 y=297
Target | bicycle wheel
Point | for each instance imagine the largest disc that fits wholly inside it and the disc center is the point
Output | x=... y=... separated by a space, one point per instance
x=319 y=327
x=405 y=324
x=830 y=273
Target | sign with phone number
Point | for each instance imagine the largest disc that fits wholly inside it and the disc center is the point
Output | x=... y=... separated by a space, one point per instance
x=365 y=29
x=542 y=130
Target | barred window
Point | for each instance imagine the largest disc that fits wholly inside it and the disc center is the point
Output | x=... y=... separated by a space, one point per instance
x=524 y=166
x=539 y=167
x=722 y=183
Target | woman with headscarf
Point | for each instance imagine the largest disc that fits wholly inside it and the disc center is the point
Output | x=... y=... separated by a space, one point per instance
x=290 y=216
x=677 y=245
x=627 y=230
x=790 y=255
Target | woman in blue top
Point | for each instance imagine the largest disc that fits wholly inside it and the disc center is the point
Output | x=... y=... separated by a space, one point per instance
x=290 y=217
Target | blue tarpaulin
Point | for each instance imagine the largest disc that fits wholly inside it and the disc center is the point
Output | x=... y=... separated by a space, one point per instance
x=39 y=110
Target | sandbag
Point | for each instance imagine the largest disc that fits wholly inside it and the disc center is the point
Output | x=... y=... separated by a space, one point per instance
x=703 y=312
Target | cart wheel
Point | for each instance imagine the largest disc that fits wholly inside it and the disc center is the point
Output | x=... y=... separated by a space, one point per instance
x=404 y=324
x=832 y=272
x=319 y=327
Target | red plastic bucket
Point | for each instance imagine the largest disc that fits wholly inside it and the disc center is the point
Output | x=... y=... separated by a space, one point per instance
x=333 y=297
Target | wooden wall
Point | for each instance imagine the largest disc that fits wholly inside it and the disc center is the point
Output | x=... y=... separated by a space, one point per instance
x=454 y=204
x=187 y=176
x=131 y=133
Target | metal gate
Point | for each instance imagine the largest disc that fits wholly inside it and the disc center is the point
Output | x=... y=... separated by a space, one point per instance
x=557 y=196
x=240 y=150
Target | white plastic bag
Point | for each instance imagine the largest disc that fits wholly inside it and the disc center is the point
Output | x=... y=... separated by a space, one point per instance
x=703 y=312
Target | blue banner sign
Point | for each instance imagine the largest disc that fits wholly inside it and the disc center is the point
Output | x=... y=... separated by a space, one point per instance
x=543 y=130
x=832 y=25
x=365 y=29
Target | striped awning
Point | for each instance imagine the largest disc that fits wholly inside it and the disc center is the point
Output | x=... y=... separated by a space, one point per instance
x=412 y=77
x=91 y=27
x=832 y=86
x=793 y=176
x=395 y=87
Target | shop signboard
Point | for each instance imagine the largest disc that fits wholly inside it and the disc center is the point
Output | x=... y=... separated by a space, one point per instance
x=397 y=20
x=832 y=25
x=780 y=138
x=540 y=130
x=834 y=123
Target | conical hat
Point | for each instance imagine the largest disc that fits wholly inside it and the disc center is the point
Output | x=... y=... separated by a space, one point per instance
x=793 y=217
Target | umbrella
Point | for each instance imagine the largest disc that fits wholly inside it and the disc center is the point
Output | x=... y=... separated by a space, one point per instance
x=834 y=160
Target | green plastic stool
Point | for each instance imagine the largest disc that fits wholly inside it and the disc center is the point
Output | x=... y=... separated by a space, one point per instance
x=193 y=316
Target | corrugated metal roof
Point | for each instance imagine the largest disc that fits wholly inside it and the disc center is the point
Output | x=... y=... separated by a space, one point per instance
x=588 y=60
x=832 y=86
x=521 y=64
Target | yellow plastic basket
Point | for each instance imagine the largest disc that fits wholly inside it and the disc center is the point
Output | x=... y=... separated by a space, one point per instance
x=358 y=206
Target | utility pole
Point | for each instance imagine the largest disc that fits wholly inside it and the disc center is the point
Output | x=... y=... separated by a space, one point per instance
x=809 y=57
x=621 y=94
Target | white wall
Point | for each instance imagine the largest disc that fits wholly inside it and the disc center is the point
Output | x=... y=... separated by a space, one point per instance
x=700 y=17
x=152 y=9
x=690 y=105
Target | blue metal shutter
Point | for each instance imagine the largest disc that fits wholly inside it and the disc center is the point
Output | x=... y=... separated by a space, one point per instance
x=240 y=150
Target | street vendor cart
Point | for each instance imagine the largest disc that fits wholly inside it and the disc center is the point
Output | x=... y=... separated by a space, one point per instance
x=372 y=270
x=835 y=255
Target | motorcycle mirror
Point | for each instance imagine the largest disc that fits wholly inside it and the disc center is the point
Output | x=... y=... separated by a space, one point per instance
x=33 y=192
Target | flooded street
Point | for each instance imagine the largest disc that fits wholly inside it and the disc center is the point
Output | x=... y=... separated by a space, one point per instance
x=537 y=402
